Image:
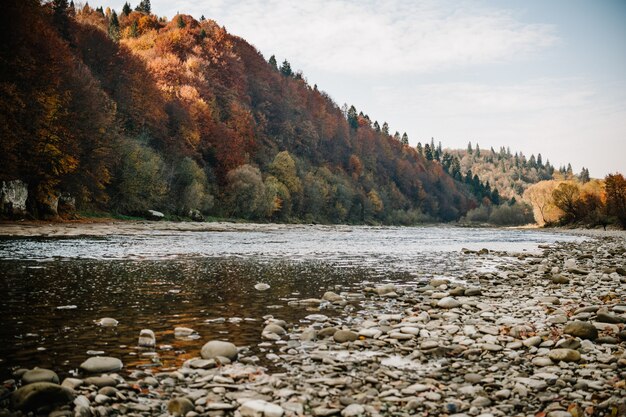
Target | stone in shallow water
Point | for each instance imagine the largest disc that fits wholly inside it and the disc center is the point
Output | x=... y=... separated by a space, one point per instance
x=582 y=329
x=275 y=329
x=39 y=375
x=261 y=286
x=184 y=332
x=100 y=364
x=147 y=338
x=100 y=381
x=565 y=355
x=216 y=348
x=39 y=394
x=107 y=322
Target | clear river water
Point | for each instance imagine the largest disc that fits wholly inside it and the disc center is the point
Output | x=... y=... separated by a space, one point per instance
x=54 y=290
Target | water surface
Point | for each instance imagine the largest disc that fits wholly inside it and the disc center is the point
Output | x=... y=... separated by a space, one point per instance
x=55 y=289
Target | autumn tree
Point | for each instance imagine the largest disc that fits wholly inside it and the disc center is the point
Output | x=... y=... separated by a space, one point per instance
x=245 y=193
x=615 y=189
x=565 y=197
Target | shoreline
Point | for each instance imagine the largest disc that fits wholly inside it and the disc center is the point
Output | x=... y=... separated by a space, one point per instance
x=542 y=334
x=103 y=227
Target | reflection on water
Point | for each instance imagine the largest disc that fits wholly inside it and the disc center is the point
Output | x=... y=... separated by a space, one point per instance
x=204 y=281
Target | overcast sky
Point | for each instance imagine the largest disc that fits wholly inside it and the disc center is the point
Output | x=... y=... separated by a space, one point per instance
x=538 y=76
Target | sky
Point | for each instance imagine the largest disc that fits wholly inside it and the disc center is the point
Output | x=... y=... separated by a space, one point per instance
x=537 y=76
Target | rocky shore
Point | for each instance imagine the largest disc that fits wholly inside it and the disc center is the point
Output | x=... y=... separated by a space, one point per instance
x=540 y=335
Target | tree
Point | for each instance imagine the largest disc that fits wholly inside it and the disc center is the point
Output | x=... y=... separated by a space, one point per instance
x=60 y=17
x=353 y=119
x=144 y=7
x=615 y=189
x=419 y=148
x=584 y=175
x=202 y=18
x=396 y=136
x=566 y=197
x=376 y=126
x=114 y=27
x=385 y=128
x=245 y=193
x=285 y=69
x=405 y=139
x=180 y=23
x=477 y=151
x=126 y=9
x=428 y=152
x=469 y=148
x=272 y=62
x=134 y=30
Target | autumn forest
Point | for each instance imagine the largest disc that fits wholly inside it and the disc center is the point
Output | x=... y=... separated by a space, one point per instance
x=124 y=112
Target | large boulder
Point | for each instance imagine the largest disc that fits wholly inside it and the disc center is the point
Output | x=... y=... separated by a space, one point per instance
x=215 y=348
x=147 y=338
x=39 y=394
x=101 y=364
x=154 y=215
x=13 y=196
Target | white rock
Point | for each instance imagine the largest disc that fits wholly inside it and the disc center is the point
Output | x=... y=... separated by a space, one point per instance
x=260 y=408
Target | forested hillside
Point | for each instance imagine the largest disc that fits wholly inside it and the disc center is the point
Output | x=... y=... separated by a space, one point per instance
x=125 y=112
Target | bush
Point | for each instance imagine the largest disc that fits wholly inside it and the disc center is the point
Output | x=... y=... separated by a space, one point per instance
x=517 y=214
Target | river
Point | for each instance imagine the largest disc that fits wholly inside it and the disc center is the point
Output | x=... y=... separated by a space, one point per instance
x=54 y=290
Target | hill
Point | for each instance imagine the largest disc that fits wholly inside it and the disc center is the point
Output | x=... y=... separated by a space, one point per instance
x=129 y=112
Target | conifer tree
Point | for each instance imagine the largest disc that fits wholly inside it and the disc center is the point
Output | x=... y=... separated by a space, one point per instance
x=353 y=118
x=376 y=126
x=428 y=152
x=419 y=148
x=180 y=22
x=405 y=139
x=202 y=33
x=114 y=27
x=469 y=148
x=272 y=62
x=385 y=128
x=144 y=6
x=202 y=18
x=285 y=69
x=396 y=136
x=126 y=9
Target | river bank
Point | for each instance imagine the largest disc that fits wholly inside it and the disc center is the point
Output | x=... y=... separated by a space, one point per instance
x=541 y=333
x=107 y=227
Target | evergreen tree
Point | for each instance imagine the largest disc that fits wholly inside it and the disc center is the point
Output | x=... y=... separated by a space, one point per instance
x=180 y=22
x=469 y=148
x=202 y=33
x=385 y=128
x=539 y=161
x=60 y=17
x=428 y=153
x=285 y=69
x=405 y=139
x=376 y=126
x=144 y=6
x=100 y=10
x=419 y=148
x=71 y=10
x=202 y=18
x=114 y=27
x=495 y=196
x=532 y=162
x=584 y=175
x=353 y=120
x=396 y=136
x=126 y=9
x=570 y=171
x=477 y=151
x=134 y=30
x=272 y=62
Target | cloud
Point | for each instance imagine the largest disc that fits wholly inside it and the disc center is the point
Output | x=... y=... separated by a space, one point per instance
x=378 y=38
